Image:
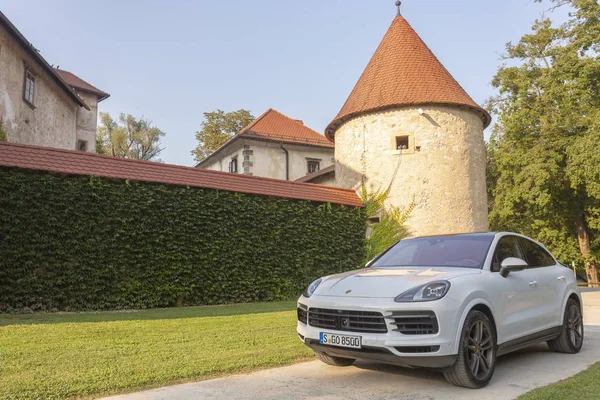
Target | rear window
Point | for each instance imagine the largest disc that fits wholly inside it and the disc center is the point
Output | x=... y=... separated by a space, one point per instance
x=467 y=251
x=536 y=256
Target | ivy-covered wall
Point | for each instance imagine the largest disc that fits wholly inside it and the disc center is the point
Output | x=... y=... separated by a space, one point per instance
x=84 y=243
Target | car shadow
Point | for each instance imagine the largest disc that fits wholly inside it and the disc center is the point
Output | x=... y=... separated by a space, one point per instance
x=436 y=375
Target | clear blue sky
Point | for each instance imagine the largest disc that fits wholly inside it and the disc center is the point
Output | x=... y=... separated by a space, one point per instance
x=172 y=60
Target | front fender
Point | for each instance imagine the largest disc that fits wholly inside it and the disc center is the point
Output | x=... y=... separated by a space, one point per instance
x=469 y=303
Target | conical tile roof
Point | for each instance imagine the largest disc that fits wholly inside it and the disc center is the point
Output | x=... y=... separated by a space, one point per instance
x=403 y=71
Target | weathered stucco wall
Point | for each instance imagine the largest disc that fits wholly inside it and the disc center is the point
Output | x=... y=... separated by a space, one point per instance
x=87 y=120
x=442 y=171
x=267 y=159
x=53 y=120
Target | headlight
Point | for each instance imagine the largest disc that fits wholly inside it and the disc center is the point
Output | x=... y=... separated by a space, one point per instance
x=428 y=292
x=312 y=287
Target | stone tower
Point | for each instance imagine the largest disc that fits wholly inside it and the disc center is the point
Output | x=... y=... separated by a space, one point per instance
x=410 y=126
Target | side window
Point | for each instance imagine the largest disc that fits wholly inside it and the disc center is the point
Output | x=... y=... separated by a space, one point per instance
x=535 y=255
x=506 y=247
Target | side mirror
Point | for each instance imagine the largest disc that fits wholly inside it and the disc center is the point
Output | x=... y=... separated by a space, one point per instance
x=511 y=264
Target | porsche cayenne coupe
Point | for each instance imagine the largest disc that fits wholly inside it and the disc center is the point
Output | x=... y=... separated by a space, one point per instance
x=452 y=303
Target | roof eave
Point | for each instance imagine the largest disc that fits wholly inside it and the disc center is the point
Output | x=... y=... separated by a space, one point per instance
x=38 y=57
x=338 y=121
x=101 y=95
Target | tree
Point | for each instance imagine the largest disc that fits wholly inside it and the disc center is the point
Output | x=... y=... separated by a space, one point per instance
x=391 y=224
x=217 y=128
x=544 y=153
x=128 y=137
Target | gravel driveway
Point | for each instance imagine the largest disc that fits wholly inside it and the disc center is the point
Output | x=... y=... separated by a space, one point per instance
x=515 y=374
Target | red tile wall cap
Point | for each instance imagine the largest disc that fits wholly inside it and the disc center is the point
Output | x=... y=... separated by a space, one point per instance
x=81 y=163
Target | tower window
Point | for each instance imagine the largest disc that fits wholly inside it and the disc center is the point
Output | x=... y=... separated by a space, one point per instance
x=233 y=165
x=313 y=166
x=81 y=145
x=401 y=142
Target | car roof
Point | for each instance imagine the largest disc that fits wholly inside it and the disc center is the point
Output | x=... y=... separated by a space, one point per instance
x=491 y=234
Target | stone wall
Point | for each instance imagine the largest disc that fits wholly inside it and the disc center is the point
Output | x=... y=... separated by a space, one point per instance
x=87 y=120
x=267 y=159
x=52 y=120
x=442 y=171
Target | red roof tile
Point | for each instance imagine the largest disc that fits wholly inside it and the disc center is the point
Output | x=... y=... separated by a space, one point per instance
x=273 y=125
x=80 y=84
x=403 y=71
x=327 y=170
x=80 y=163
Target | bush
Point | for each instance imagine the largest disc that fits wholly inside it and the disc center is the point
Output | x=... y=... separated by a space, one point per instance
x=84 y=243
x=392 y=222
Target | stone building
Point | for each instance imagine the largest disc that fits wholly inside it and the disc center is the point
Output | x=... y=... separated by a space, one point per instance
x=273 y=146
x=409 y=126
x=41 y=105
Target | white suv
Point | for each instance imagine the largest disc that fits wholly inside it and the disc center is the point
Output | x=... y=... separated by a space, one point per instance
x=452 y=302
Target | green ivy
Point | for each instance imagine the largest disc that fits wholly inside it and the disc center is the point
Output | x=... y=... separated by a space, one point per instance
x=84 y=243
x=2 y=135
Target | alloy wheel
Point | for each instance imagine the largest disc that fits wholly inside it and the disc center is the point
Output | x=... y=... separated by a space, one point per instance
x=575 y=326
x=480 y=349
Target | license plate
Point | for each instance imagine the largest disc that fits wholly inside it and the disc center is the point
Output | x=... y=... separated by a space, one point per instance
x=334 y=339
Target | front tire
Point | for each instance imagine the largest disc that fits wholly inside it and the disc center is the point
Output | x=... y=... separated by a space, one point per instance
x=570 y=339
x=335 y=361
x=476 y=360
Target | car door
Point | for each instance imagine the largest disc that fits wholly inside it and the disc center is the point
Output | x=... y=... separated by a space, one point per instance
x=552 y=282
x=516 y=297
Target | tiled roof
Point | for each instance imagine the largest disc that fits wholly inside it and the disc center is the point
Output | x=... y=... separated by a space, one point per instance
x=80 y=84
x=35 y=53
x=403 y=71
x=273 y=125
x=80 y=163
x=327 y=170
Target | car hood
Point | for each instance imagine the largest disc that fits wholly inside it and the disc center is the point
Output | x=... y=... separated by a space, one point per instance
x=386 y=282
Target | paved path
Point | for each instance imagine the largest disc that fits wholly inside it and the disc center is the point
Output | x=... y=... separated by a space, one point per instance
x=515 y=374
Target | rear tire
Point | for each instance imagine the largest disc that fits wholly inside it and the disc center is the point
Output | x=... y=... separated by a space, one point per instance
x=476 y=359
x=335 y=361
x=570 y=339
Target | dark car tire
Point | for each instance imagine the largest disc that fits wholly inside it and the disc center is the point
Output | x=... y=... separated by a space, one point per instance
x=335 y=361
x=570 y=339
x=476 y=359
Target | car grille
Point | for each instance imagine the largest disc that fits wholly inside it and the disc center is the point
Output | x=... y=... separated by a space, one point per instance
x=414 y=322
x=302 y=315
x=417 y=349
x=350 y=321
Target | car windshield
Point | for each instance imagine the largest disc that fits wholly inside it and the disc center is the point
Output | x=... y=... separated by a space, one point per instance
x=467 y=251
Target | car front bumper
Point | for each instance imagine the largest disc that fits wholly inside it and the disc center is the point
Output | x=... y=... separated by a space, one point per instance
x=432 y=350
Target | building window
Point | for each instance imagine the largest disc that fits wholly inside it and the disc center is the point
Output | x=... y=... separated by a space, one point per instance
x=29 y=87
x=81 y=145
x=401 y=142
x=233 y=165
x=313 y=166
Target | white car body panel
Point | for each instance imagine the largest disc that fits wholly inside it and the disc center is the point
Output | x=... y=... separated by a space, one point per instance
x=524 y=304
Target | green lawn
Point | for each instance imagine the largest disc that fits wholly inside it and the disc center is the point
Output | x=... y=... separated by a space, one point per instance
x=584 y=385
x=94 y=354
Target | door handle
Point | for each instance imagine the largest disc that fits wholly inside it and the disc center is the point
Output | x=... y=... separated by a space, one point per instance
x=561 y=278
x=533 y=283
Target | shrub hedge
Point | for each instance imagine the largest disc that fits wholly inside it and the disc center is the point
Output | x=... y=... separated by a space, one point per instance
x=85 y=243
